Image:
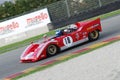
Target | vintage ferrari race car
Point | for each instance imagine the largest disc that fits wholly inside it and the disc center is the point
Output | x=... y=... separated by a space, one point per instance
x=64 y=38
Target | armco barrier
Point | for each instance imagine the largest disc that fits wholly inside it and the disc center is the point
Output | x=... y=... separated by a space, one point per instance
x=37 y=31
x=12 y=39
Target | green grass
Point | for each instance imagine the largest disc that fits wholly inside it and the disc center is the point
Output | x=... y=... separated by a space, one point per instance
x=36 y=38
x=40 y=68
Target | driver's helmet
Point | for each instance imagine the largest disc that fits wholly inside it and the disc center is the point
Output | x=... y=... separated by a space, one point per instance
x=66 y=30
x=73 y=26
x=58 y=33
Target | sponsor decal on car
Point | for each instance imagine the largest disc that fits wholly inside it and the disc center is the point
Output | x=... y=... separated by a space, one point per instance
x=93 y=26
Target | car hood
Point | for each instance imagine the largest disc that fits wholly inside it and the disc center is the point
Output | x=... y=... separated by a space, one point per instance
x=29 y=56
x=37 y=52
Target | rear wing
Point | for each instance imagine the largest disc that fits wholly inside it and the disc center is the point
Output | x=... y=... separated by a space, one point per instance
x=92 y=25
x=97 y=24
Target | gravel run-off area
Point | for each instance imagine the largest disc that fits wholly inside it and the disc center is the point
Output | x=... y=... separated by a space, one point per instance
x=100 y=64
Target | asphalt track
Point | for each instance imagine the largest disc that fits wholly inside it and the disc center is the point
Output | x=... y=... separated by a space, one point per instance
x=9 y=61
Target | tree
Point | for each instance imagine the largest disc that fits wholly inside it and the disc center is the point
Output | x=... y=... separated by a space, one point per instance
x=17 y=7
x=9 y=9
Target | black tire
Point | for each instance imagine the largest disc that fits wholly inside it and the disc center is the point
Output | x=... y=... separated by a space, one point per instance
x=94 y=35
x=52 y=50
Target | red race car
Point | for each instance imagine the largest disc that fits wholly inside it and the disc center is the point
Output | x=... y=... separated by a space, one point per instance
x=65 y=38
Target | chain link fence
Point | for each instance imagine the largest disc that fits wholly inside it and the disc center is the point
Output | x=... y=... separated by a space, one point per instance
x=67 y=8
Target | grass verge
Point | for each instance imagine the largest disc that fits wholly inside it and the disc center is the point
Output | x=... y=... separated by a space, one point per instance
x=36 y=38
x=40 y=68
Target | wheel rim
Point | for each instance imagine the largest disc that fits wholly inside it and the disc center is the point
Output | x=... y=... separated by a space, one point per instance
x=52 y=49
x=94 y=35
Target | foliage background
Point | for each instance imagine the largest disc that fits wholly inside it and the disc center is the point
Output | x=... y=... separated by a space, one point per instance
x=8 y=8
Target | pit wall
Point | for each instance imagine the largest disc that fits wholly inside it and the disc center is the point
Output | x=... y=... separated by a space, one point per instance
x=24 y=27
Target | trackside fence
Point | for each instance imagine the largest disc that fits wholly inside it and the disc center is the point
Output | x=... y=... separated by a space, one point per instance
x=66 y=12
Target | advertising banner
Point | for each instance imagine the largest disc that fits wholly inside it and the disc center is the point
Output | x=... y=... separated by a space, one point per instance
x=24 y=23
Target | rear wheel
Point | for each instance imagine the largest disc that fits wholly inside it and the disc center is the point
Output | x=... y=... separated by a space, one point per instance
x=94 y=35
x=52 y=50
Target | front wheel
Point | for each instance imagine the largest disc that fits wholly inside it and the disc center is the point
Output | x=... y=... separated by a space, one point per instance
x=94 y=35
x=52 y=50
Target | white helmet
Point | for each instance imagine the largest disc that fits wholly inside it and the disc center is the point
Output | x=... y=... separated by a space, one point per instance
x=73 y=26
x=66 y=30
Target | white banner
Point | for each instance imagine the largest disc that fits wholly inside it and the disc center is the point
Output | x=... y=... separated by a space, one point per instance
x=24 y=23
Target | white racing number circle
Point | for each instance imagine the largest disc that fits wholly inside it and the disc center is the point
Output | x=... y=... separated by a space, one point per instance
x=68 y=41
